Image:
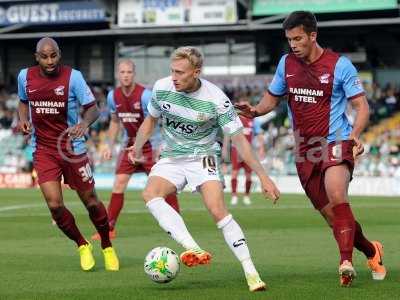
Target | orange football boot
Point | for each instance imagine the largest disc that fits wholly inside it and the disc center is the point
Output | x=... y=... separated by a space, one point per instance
x=194 y=257
x=375 y=264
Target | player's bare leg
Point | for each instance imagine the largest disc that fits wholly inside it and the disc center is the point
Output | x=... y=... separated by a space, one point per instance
x=213 y=197
x=116 y=203
x=246 y=197
x=154 y=194
x=98 y=216
x=337 y=180
x=52 y=193
x=171 y=199
x=234 y=175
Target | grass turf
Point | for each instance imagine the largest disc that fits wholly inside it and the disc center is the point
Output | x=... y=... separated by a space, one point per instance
x=291 y=246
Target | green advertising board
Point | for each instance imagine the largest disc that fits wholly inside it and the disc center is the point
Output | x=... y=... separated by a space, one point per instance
x=275 y=7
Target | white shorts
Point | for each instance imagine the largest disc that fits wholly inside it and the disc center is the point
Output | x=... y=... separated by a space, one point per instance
x=193 y=171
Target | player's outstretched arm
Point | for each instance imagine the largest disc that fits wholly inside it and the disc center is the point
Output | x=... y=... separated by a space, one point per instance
x=112 y=134
x=266 y=105
x=143 y=135
x=23 y=113
x=246 y=152
x=360 y=104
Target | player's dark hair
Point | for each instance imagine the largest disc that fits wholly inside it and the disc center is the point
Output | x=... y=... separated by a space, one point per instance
x=301 y=18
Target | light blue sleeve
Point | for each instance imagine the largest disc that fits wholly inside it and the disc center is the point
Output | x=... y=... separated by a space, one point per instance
x=146 y=98
x=79 y=89
x=22 y=85
x=257 y=126
x=348 y=77
x=111 y=102
x=278 y=85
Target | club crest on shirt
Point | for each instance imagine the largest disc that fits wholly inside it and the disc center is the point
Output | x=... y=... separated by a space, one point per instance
x=136 y=105
x=59 y=91
x=324 y=78
x=201 y=117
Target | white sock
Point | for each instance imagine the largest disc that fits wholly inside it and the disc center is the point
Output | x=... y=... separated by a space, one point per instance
x=171 y=222
x=234 y=237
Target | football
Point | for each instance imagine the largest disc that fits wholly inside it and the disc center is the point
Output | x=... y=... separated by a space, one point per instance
x=161 y=264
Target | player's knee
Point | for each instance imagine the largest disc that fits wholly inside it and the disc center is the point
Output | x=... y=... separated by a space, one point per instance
x=56 y=210
x=92 y=207
x=89 y=198
x=218 y=213
x=148 y=194
x=119 y=186
x=336 y=196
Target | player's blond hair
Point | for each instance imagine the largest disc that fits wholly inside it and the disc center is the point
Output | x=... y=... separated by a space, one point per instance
x=192 y=54
x=126 y=61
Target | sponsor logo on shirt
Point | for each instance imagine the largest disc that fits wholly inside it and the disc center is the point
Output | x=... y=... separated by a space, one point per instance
x=306 y=95
x=211 y=172
x=47 y=107
x=59 y=91
x=127 y=117
x=357 y=83
x=166 y=106
x=180 y=126
x=324 y=78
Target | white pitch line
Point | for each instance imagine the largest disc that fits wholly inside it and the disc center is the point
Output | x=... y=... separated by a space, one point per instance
x=196 y=209
x=17 y=207
x=23 y=206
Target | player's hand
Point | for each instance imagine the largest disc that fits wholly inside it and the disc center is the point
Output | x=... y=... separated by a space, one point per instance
x=77 y=131
x=269 y=189
x=246 y=110
x=25 y=127
x=135 y=158
x=107 y=153
x=358 y=147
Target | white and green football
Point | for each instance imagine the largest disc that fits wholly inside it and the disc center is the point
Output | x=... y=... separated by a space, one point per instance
x=161 y=264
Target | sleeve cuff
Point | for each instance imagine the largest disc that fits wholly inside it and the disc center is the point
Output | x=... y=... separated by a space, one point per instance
x=356 y=96
x=275 y=95
x=239 y=130
x=89 y=105
x=153 y=112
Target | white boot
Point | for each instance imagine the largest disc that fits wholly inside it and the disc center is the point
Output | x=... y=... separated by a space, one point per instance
x=234 y=200
x=246 y=200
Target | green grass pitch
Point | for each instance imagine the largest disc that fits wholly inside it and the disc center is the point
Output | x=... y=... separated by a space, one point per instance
x=292 y=247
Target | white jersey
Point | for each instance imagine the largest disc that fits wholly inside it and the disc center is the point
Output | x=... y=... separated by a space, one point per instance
x=192 y=121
